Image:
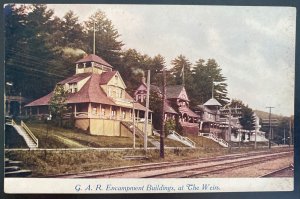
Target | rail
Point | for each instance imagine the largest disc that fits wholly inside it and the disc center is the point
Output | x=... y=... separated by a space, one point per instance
x=28 y=131
x=219 y=140
x=185 y=139
x=13 y=122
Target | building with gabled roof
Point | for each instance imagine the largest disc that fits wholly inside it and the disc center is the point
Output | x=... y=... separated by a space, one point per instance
x=98 y=100
x=177 y=105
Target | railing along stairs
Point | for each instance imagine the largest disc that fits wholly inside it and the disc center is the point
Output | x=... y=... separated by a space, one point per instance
x=182 y=139
x=129 y=125
x=215 y=138
x=29 y=133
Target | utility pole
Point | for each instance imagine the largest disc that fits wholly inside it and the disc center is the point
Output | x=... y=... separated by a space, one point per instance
x=133 y=117
x=270 y=110
x=94 y=42
x=290 y=132
x=284 y=136
x=147 y=111
x=229 y=127
x=162 y=133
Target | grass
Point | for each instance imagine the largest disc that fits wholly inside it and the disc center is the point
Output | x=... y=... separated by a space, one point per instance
x=169 y=142
x=63 y=161
x=74 y=138
x=204 y=142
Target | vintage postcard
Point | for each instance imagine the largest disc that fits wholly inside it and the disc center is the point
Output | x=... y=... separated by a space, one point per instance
x=148 y=98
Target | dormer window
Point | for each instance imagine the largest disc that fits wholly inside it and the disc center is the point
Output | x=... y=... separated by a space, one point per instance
x=72 y=88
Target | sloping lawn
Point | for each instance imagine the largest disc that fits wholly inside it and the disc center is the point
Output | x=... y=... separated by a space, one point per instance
x=73 y=138
x=204 y=142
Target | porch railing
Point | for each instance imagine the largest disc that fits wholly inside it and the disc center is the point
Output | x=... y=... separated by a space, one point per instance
x=93 y=115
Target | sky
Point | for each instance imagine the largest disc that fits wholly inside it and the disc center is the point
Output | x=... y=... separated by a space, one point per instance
x=254 y=46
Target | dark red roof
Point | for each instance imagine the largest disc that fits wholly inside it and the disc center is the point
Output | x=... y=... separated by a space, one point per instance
x=75 y=78
x=43 y=101
x=90 y=92
x=188 y=111
x=106 y=77
x=136 y=104
x=169 y=109
x=93 y=58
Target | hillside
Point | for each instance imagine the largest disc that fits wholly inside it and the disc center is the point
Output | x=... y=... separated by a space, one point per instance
x=265 y=115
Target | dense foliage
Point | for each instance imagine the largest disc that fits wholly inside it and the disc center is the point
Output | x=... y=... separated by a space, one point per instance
x=41 y=48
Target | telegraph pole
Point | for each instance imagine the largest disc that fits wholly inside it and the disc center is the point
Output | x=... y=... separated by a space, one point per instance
x=147 y=111
x=284 y=136
x=229 y=128
x=162 y=133
x=94 y=42
x=290 y=133
x=133 y=117
x=270 y=110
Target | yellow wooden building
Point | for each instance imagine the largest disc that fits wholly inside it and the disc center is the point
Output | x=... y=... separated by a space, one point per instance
x=98 y=100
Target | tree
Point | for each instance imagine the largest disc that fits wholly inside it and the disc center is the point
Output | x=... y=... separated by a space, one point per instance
x=181 y=66
x=155 y=104
x=58 y=105
x=156 y=65
x=247 y=119
x=72 y=31
x=107 y=40
x=205 y=75
x=133 y=68
x=30 y=58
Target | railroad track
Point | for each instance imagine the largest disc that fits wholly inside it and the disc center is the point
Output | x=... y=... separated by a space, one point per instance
x=279 y=172
x=201 y=171
x=115 y=172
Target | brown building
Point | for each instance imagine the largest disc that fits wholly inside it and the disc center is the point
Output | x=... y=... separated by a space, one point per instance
x=177 y=105
x=98 y=100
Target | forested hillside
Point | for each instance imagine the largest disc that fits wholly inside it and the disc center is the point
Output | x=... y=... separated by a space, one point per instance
x=41 y=48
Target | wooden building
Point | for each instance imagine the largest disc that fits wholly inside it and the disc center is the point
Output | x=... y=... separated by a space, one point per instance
x=98 y=100
x=177 y=105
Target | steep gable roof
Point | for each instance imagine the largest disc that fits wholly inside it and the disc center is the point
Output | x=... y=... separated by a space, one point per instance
x=93 y=58
x=75 y=78
x=90 y=92
x=212 y=102
x=106 y=77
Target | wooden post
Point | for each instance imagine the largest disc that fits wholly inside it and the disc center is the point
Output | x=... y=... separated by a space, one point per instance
x=75 y=110
x=89 y=109
x=8 y=107
x=110 y=110
x=100 y=110
x=147 y=112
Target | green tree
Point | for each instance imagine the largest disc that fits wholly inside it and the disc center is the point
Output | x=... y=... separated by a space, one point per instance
x=155 y=104
x=133 y=68
x=156 y=65
x=207 y=74
x=107 y=40
x=29 y=57
x=58 y=105
x=181 y=67
x=247 y=119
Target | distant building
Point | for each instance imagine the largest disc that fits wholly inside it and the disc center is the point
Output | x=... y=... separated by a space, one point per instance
x=177 y=105
x=97 y=99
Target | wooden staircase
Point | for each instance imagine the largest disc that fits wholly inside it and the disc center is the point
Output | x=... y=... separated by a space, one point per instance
x=139 y=133
x=12 y=169
x=24 y=131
